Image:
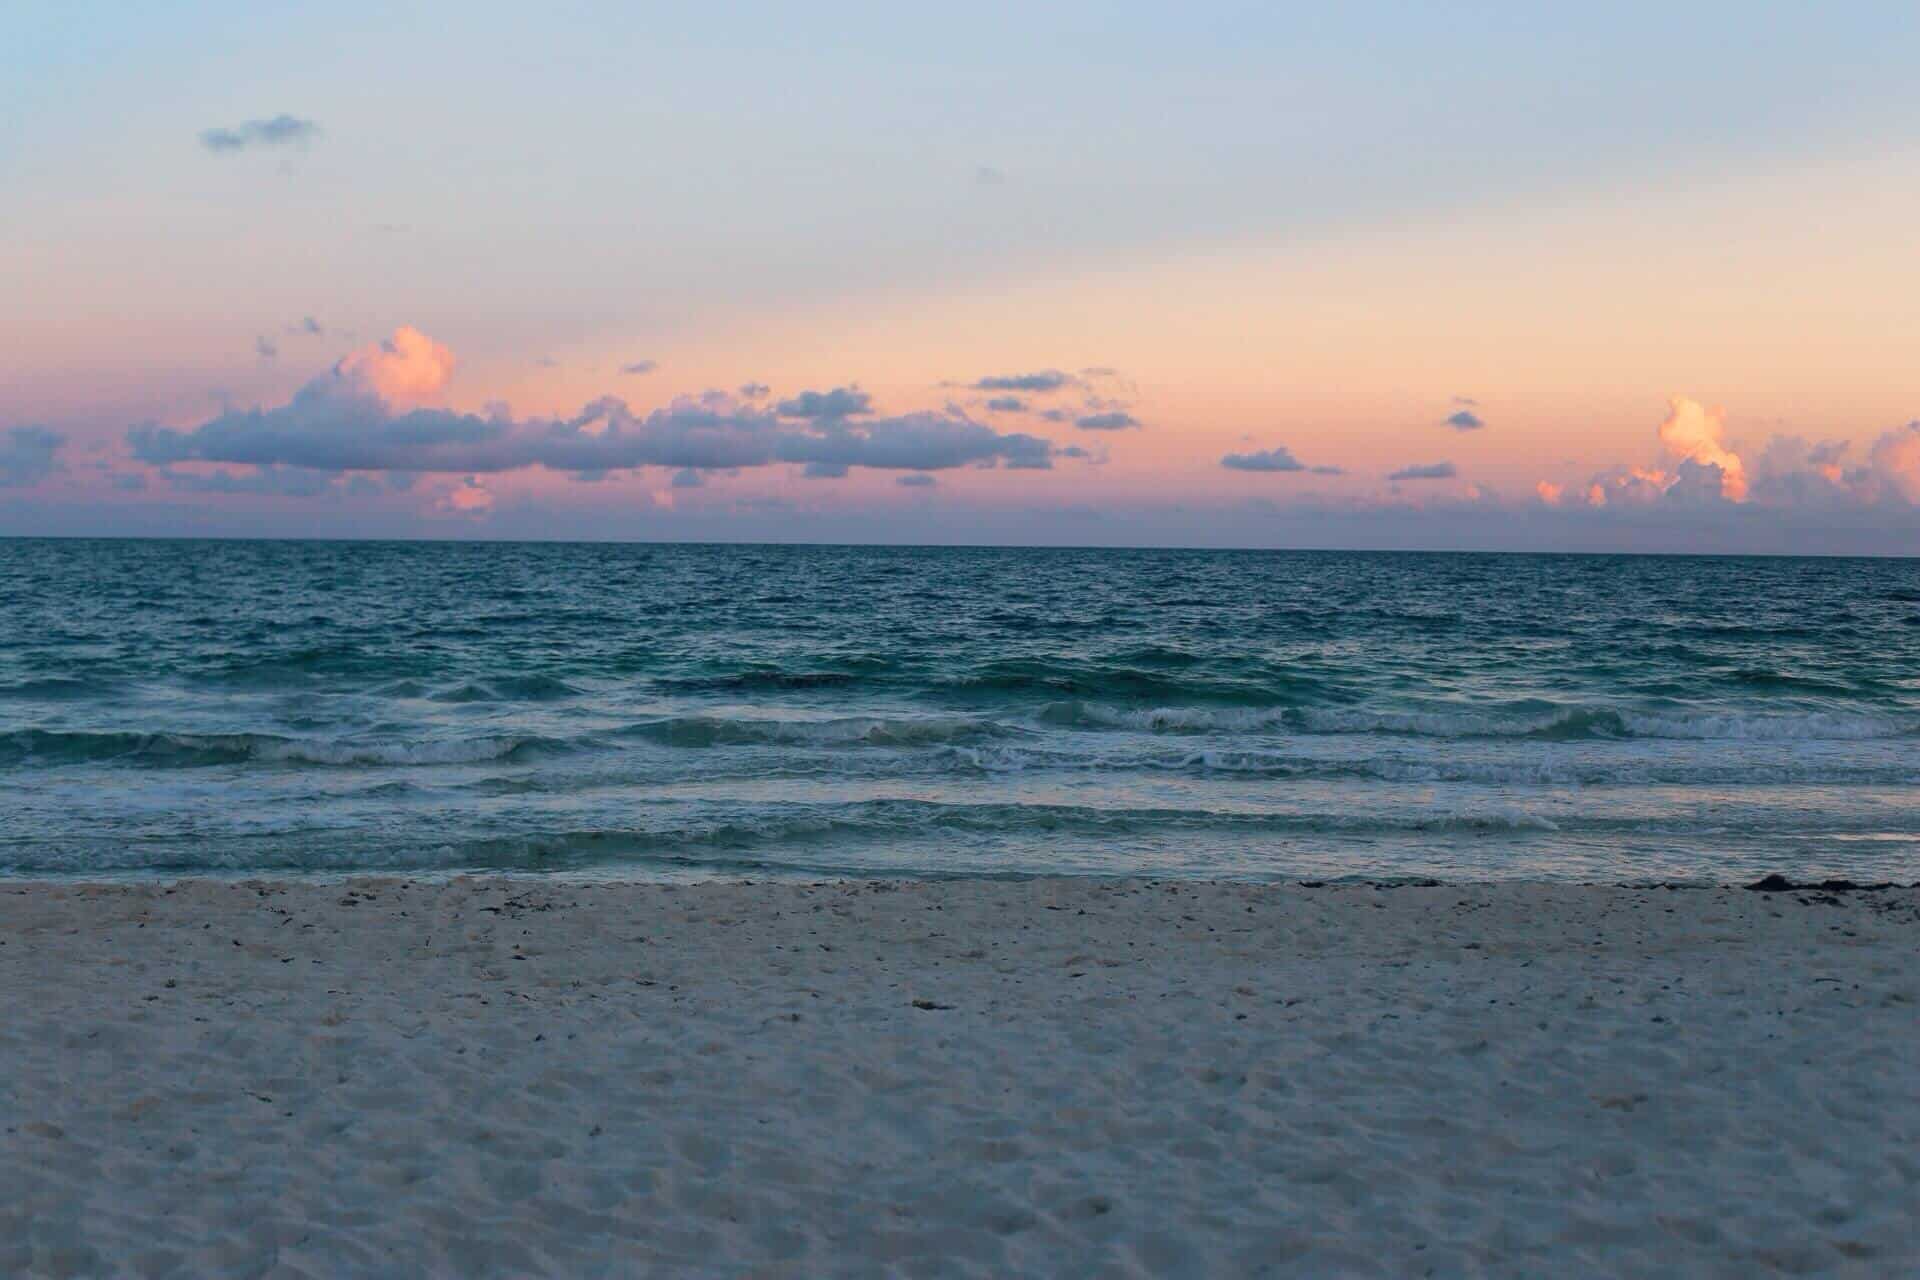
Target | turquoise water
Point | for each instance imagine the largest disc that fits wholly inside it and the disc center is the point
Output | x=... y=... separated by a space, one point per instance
x=642 y=710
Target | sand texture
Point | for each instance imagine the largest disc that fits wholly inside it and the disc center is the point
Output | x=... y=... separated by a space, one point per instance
x=510 y=1077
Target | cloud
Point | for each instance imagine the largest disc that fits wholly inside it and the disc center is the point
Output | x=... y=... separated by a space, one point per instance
x=546 y=362
x=1829 y=453
x=358 y=417
x=1100 y=371
x=1706 y=471
x=1007 y=404
x=29 y=454
x=988 y=176
x=265 y=348
x=286 y=482
x=916 y=480
x=280 y=131
x=1697 y=434
x=1465 y=420
x=841 y=402
x=1469 y=401
x=1113 y=420
x=1044 y=381
x=1788 y=475
x=1426 y=471
x=640 y=366
x=408 y=366
x=825 y=470
x=688 y=478
x=1278 y=458
x=308 y=327
x=470 y=497
x=1895 y=460
x=754 y=390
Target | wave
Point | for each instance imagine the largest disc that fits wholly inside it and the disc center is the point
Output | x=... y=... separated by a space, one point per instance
x=1540 y=770
x=839 y=671
x=1550 y=723
x=303 y=667
x=58 y=689
x=507 y=689
x=1097 y=680
x=735 y=840
x=58 y=747
x=845 y=731
x=1069 y=736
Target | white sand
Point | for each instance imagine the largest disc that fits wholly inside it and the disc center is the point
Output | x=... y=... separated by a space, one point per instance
x=512 y=1077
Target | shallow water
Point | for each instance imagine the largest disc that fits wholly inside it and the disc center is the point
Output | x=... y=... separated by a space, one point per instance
x=665 y=710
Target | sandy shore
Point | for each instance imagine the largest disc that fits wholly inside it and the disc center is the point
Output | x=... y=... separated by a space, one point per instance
x=1052 y=1078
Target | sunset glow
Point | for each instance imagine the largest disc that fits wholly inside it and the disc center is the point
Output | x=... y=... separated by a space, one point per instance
x=1321 y=342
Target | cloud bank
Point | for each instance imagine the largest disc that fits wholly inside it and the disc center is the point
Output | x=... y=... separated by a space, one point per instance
x=367 y=414
x=1703 y=471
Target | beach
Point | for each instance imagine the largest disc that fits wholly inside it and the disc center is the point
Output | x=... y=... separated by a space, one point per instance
x=509 y=1076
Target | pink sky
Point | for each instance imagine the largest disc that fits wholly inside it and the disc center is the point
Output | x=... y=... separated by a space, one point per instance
x=1689 y=336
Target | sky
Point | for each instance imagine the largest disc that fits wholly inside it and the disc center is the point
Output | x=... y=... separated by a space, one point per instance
x=1633 y=277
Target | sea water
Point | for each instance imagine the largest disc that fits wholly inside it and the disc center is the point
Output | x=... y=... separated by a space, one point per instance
x=653 y=710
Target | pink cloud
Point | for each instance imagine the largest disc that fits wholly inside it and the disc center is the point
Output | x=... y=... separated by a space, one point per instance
x=407 y=368
x=1695 y=433
x=1896 y=459
x=470 y=497
x=1787 y=472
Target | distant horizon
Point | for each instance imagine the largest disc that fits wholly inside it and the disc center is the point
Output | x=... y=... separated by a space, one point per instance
x=1064 y=547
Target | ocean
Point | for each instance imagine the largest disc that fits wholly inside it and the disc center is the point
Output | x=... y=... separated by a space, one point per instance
x=676 y=711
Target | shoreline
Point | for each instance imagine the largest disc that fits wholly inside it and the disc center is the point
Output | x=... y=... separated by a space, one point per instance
x=503 y=1075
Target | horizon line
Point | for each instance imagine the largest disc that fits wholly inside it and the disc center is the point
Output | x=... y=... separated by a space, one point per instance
x=957 y=546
